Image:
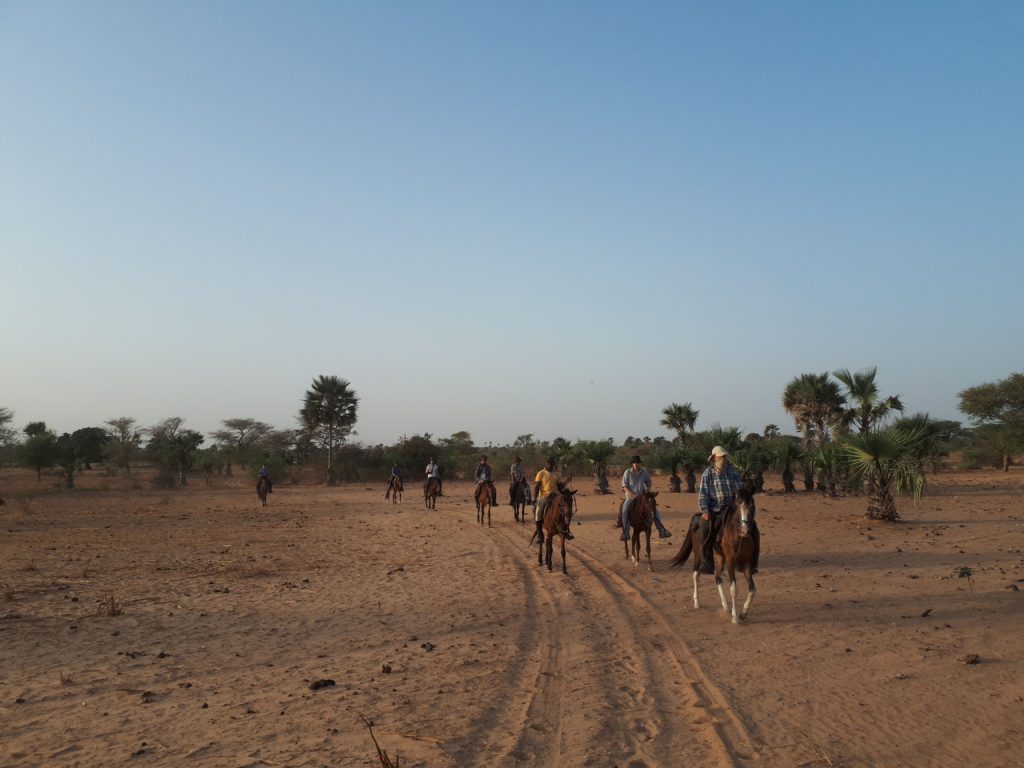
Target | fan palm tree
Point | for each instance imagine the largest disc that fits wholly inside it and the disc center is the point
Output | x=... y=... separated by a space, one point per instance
x=865 y=409
x=669 y=461
x=887 y=460
x=596 y=453
x=680 y=419
x=787 y=454
x=329 y=413
x=814 y=401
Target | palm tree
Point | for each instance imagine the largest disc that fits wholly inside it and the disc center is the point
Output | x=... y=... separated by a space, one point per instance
x=814 y=401
x=693 y=461
x=865 y=409
x=787 y=454
x=329 y=413
x=596 y=453
x=887 y=460
x=669 y=461
x=680 y=419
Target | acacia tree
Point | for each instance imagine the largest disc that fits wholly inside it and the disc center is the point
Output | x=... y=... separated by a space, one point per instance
x=39 y=450
x=1000 y=407
x=173 y=449
x=329 y=414
x=237 y=437
x=125 y=437
x=7 y=433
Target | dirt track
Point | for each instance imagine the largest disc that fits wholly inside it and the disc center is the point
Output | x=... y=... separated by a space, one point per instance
x=465 y=653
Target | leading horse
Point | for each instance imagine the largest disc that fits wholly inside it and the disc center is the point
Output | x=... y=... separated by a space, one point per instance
x=735 y=550
x=430 y=490
x=395 y=488
x=482 y=497
x=557 y=517
x=641 y=518
x=262 y=489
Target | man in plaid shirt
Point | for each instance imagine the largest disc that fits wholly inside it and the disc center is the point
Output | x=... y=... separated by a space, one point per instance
x=718 y=486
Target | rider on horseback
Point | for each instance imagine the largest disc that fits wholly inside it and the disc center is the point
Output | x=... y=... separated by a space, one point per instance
x=483 y=475
x=517 y=477
x=433 y=471
x=265 y=474
x=637 y=480
x=395 y=481
x=718 y=486
x=545 y=485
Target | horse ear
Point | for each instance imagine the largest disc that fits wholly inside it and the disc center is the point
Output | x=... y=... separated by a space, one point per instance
x=655 y=493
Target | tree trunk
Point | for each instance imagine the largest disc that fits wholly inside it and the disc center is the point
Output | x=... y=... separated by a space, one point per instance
x=602 y=480
x=691 y=482
x=808 y=479
x=674 y=483
x=1006 y=462
x=882 y=505
x=787 y=482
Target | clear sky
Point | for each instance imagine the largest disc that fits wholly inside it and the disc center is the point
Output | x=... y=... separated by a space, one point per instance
x=504 y=217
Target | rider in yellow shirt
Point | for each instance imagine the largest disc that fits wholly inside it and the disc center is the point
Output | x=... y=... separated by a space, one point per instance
x=544 y=485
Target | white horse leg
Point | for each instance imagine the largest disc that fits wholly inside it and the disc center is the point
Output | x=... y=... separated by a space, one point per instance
x=721 y=595
x=751 y=591
x=732 y=594
x=696 y=600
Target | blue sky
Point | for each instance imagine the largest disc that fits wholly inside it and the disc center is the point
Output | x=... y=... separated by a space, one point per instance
x=504 y=218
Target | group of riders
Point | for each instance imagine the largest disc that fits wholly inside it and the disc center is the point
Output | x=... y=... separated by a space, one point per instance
x=718 y=486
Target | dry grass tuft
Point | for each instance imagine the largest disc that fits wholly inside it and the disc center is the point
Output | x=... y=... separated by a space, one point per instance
x=29 y=567
x=385 y=761
x=819 y=755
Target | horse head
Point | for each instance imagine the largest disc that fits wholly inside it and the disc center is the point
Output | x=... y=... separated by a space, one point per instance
x=744 y=507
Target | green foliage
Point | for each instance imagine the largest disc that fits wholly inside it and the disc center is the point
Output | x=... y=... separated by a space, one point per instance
x=329 y=415
x=7 y=434
x=865 y=409
x=681 y=419
x=90 y=445
x=173 y=449
x=814 y=401
x=124 y=439
x=999 y=407
x=888 y=462
x=38 y=451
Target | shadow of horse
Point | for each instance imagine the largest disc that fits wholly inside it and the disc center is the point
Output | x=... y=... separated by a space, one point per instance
x=262 y=489
x=557 y=517
x=734 y=550
x=430 y=490
x=641 y=518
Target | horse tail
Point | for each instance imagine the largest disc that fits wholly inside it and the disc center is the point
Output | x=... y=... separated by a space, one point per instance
x=684 y=552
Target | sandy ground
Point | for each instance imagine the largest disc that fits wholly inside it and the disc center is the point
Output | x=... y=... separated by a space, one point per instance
x=463 y=652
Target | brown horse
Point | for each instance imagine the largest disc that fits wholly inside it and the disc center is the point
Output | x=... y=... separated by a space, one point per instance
x=430 y=491
x=262 y=489
x=395 y=488
x=641 y=518
x=556 y=521
x=735 y=550
x=482 y=497
x=520 y=494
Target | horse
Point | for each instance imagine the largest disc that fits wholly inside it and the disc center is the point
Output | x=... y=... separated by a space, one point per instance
x=262 y=489
x=482 y=497
x=519 y=495
x=556 y=520
x=395 y=487
x=641 y=518
x=735 y=551
x=430 y=490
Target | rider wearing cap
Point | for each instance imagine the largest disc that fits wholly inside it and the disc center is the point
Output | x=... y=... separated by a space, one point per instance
x=718 y=486
x=637 y=480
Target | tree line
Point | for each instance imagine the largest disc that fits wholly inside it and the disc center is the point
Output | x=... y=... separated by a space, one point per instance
x=850 y=438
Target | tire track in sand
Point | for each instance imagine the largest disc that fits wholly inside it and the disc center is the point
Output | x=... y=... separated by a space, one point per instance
x=619 y=686
x=724 y=733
